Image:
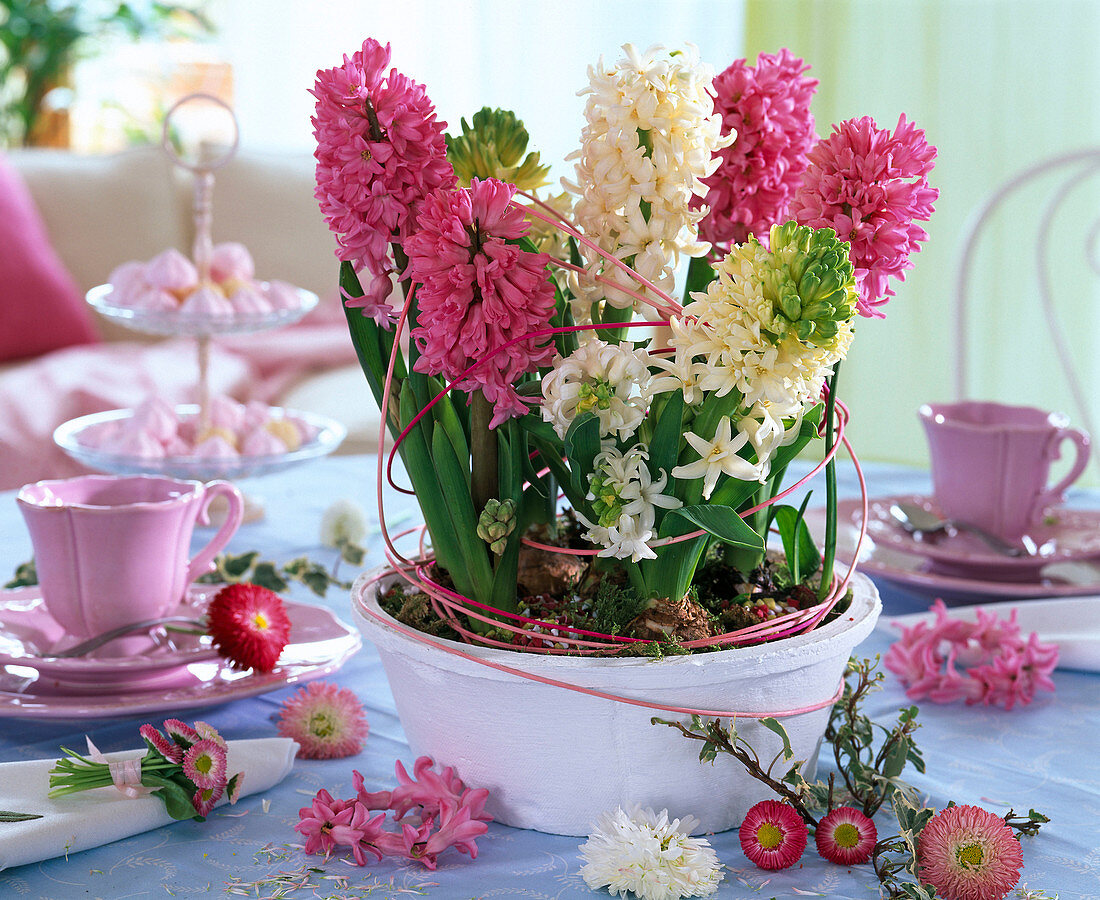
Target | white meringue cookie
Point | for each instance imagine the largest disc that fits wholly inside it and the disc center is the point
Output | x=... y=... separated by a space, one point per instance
x=139 y=443
x=176 y=446
x=249 y=302
x=255 y=415
x=206 y=302
x=127 y=281
x=156 y=417
x=225 y=412
x=282 y=295
x=215 y=448
x=262 y=442
x=187 y=430
x=306 y=432
x=154 y=299
x=102 y=434
x=172 y=271
x=231 y=260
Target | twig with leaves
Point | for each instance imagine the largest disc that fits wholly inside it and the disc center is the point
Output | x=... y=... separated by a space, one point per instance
x=869 y=759
x=248 y=567
x=26 y=575
x=871 y=776
x=718 y=738
x=869 y=770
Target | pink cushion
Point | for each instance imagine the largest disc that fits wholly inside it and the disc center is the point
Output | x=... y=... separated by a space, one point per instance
x=40 y=306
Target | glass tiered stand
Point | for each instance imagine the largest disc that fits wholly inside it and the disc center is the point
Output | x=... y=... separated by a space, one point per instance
x=76 y=437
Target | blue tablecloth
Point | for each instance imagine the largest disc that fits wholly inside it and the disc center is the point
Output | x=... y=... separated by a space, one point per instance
x=1043 y=756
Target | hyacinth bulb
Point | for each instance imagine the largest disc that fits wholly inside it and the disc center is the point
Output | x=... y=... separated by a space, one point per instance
x=810 y=284
x=492 y=147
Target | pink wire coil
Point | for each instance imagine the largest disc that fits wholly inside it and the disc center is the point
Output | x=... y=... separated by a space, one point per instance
x=557 y=638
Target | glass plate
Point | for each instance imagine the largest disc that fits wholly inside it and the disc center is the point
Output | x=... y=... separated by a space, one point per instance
x=67 y=436
x=180 y=323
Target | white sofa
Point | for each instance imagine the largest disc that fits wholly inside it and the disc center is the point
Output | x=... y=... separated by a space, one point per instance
x=102 y=210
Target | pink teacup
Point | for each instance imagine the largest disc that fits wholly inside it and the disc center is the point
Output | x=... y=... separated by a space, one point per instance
x=991 y=463
x=111 y=551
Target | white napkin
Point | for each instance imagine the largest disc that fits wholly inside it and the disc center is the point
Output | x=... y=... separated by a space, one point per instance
x=88 y=819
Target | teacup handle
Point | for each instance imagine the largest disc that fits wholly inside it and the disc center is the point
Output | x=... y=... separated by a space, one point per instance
x=201 y=563
x=1057 y=494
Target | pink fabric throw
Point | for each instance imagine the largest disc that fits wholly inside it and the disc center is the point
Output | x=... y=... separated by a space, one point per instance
x=38 y=395
x=40 y=306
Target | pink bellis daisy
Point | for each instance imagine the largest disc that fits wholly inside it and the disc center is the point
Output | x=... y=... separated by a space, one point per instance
x=327 y=721
x=380 y=151
x=846 y=836
x=206 y=799
x=870 y=185
x=967 y=853
x=768 y=107
x=170 y=750
x=478 y=291
x=204 y=765
x=249 y=626
x=182 y=733
x=773 y=835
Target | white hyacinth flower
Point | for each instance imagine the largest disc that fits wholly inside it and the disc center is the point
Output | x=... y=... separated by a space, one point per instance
x=648 y=854
x=719 y=456
x=608 y=380
x=650 y=139
x=724 y=328
x=767 y=433
x=625 y=498
x=343 y=523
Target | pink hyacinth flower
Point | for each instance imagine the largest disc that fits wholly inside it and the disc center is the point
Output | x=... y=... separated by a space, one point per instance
x=768 y=106
x=371 y=800
x=1016 y=674
x=359 y=833
x=410 y=843
x=870 y=185
x=317 y=821
x=459 y=827
x=478 y=292
x=380 y=152
x=429 y=789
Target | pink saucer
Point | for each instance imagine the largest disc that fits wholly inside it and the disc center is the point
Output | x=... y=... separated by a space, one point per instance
x=319 y=645
x=1065 y=535
x=916 y=574
x=29 y=635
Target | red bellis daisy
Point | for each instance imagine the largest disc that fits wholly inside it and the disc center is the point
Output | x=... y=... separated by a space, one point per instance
x=846 y=837
x=249 y=626
x=773 y=835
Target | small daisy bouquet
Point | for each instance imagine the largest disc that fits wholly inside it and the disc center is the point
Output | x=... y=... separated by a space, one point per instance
x=551 y=356
x=184 y=766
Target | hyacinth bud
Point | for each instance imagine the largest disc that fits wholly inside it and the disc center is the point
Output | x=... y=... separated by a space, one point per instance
x=810 y=284
x=492 y=147
x=496 y=522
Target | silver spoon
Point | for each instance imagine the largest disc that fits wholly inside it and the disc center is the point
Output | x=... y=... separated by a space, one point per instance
x=918 y=520
x=94 y=643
